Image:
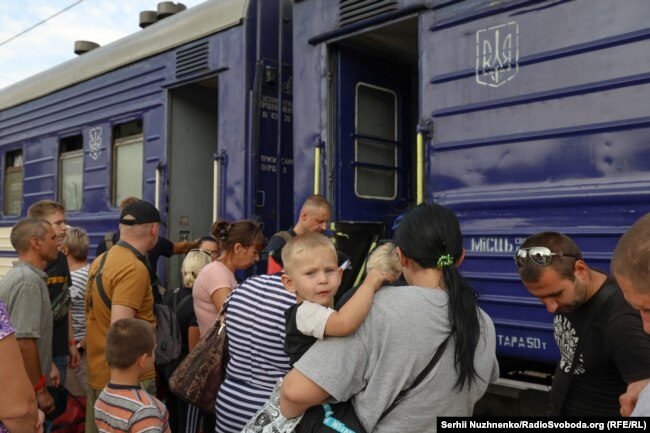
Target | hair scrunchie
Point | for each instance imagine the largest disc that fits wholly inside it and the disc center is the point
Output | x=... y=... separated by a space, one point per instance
x=445 y=260
x=223 y=232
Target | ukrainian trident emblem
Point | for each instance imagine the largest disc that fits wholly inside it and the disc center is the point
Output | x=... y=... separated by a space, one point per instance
x=95 y=142
x=497 y=54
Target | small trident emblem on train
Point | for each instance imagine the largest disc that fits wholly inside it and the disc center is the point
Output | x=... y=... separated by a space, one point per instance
x=497 y=54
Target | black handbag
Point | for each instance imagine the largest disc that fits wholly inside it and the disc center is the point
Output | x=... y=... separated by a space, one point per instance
x=341 y=416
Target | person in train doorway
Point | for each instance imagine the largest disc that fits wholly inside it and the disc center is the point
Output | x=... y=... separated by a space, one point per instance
x=64 y=346
x=602 y=344
x=119 y=286
x=631 y=267
x=164 y=247
x=314 y=214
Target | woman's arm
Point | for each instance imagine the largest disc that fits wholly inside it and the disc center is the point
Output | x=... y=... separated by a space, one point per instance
x=18 y=410
x=219 y=297
x=193 y=337
x=299 y=393
x=351 y=315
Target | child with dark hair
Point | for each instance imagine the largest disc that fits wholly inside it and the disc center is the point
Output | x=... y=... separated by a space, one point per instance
x=123 y=406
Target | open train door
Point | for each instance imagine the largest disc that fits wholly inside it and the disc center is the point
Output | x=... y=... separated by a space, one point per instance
x=192 y=147
x=375 y=102
x=374 y=137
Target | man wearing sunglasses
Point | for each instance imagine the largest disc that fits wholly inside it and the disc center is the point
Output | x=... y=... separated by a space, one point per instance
x=591 y=320
x=631 y=267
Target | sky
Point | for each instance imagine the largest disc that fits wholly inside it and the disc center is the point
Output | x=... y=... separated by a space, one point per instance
x=52 y=43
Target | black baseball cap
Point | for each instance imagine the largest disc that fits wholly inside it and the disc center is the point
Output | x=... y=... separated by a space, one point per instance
x=139 y=212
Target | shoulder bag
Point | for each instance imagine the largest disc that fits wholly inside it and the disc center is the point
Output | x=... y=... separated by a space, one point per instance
x=198 y=377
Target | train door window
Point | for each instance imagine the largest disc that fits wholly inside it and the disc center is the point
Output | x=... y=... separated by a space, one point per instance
x=13 y=183
x=71 y=168
x=128 y=161
x=375 y=143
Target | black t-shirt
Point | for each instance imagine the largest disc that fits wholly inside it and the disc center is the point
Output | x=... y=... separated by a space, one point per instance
x=616 y=350
x=58 y=279
x=275 y=245
x=295 y=342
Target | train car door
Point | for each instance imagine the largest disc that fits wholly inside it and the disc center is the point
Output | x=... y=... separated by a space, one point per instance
x=193 y=117
x=373 y=105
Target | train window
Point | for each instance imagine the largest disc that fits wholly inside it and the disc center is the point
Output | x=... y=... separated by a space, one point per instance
x=375 y=143
x=128 y=161
x=13 y=183
x=71 y=168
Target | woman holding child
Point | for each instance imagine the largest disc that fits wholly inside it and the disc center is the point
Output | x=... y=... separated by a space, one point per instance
x=399 y=337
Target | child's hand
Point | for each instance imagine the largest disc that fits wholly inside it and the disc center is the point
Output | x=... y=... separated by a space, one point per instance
x=377 y=278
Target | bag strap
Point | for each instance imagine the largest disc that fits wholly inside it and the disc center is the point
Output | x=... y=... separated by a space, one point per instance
x=108 y=240
x=98 y=274
x=599 y=302
x=420 y=378
x=137 y=253
x=100 y=284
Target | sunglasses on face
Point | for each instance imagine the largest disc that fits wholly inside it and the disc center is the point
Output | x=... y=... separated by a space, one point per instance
x=541 y=256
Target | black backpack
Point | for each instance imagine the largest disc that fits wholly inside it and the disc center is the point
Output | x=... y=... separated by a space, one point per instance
x=168 y=334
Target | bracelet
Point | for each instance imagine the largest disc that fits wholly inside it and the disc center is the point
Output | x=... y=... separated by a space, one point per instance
x=72 y=342
x=41 y=384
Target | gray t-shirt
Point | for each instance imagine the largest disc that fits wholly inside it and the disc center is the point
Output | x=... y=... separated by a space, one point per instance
x=24 y=290
x=642 y=407
x=395 y=343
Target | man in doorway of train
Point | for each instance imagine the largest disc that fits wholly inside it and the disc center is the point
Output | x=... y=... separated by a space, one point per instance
x=120 y=289
x=164 y=247
x=602 y=344
x=64 y=346
x=314 y=214
x=631 y=267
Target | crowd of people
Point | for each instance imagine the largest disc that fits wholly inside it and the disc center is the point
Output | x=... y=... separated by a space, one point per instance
x=407 y=345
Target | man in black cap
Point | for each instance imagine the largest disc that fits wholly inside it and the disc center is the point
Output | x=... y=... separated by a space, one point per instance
x=119 y=286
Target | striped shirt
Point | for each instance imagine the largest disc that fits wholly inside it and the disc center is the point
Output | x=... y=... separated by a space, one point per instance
x=78 y=278
x=255 y=327
x=129 y=408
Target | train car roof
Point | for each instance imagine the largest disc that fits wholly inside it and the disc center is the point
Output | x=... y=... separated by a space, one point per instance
x=191 y=24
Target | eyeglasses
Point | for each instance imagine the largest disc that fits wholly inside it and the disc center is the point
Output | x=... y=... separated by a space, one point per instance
x=541 y=256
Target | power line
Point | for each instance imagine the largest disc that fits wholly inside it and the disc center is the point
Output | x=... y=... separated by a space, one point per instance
x=41 y=22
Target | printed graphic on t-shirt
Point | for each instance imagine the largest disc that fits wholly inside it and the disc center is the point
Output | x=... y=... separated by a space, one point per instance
x=567 y=341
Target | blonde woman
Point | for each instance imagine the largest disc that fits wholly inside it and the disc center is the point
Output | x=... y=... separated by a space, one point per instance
x=181 y=301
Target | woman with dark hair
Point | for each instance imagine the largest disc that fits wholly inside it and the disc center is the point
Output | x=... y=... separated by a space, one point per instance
x=405 y=327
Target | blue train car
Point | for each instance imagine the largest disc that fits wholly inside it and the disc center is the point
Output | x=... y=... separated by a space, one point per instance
x=193 y=113
x=520 y=115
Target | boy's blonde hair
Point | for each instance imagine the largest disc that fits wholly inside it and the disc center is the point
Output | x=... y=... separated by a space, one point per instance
x=194 y=261
x=384 y=258
x=127 y=340
x=76 y=241
x=44 y=208
x=304 y=244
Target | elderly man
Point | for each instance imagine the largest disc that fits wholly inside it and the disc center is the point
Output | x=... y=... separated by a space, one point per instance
x=24 y=290
x=119 y=286
x=314 y=214
x=602 y=344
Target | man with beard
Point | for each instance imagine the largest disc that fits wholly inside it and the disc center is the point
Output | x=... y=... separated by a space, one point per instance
x=593 y=326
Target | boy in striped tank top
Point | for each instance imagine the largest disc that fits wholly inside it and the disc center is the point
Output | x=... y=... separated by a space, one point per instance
x=123 y=406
